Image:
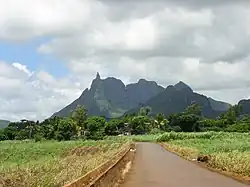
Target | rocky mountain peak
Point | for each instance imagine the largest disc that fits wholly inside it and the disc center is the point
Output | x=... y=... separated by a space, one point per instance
x=182 y=86
x=98 y=77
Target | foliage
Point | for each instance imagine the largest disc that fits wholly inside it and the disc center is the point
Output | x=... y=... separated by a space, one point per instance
x=144 y=138
x=79 y=115
x=113 y=127
x=156 y=131
x=66 y=129
x=229 y=152
x=183 y=136
x=80 y=126
x=194 y=109
x=232 y=114
x=242 y=127
x=3 y=135
x=144 y=111
x=176 y=128
x=95 y=128
x=140 y=125
x=10 y=132
x=187 y=122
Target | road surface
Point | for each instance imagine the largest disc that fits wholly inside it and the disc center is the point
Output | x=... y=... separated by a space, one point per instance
x=156 y=167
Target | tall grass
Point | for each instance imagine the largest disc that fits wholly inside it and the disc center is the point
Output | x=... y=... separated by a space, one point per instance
x=227 y=151
x=145 y=138
x=51 y=163
x=135 y=138
x=183 y=136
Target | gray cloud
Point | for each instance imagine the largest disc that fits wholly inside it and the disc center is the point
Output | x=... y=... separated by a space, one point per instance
x=203 y=43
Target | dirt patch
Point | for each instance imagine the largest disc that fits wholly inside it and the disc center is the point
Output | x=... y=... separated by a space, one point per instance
x=110 y=173
x=203 y=158
x=116 y=175
x=80 y=151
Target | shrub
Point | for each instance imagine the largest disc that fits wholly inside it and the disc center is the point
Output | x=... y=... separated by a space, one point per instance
x=156 y=131
x=181 y=136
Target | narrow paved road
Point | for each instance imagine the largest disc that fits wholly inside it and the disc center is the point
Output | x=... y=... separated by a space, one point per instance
x=156 y=167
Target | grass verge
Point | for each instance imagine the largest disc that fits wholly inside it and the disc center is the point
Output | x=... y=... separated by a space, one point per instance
x=52 y=163
x=226 y=152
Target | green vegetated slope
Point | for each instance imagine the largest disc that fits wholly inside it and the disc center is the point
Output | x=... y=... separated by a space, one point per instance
x=177 y=98
x=52 y=163
x=245 y=103
x=111 y=98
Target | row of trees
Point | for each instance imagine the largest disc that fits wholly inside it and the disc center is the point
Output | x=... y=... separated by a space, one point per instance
x=79 y=125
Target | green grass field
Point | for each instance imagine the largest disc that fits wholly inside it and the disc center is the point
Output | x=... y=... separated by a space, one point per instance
x=228 y=152
x=52 y=163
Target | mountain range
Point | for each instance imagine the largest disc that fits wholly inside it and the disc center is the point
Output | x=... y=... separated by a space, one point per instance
x=3 y=123
x=111 y=98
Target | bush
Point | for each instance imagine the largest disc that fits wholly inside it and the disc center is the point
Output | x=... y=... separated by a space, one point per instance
x=181 y=136
x=38 y=138
x=176 y=129
x=156 y=131
x=242 y=127
x=66 y=129
x=2 y=135
x=95 y=128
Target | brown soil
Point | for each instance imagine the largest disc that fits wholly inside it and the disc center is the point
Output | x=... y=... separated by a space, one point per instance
x=110 y=173
x=116 y=175
x=156 y=167
x=203 y=158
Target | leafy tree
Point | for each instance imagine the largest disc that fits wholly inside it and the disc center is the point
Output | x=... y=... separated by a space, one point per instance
x=10 y=132
x=144 y=111
x=161 y=122
x=140 y=125
x=176 y=129
x=95 y=128
x=194 y=109
x=241 y=127
x=30 y=125
x=22 y=135
x=232 y=114
x=113 y=127
x=187 y=122
x=2 y=135
x=156 y=131
x=79 y=115
x=48 y=128
x=66 y=129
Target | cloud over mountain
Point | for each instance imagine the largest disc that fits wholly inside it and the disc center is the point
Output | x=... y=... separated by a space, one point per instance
x=203 y=43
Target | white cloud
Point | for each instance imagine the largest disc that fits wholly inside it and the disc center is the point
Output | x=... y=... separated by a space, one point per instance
x=33 y=96
x=22 y=67
x=204 y=43
x=22 y=20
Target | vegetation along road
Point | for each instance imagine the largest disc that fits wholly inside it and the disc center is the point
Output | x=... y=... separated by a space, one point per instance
x=156 y=167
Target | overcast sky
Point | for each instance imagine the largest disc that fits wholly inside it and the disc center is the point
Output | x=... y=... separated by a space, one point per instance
x=50 y=50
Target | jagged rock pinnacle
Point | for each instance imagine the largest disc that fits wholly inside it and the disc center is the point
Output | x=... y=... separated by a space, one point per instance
x=98 y=76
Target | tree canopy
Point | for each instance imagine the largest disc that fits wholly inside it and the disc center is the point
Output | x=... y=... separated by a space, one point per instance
x=79 y=125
